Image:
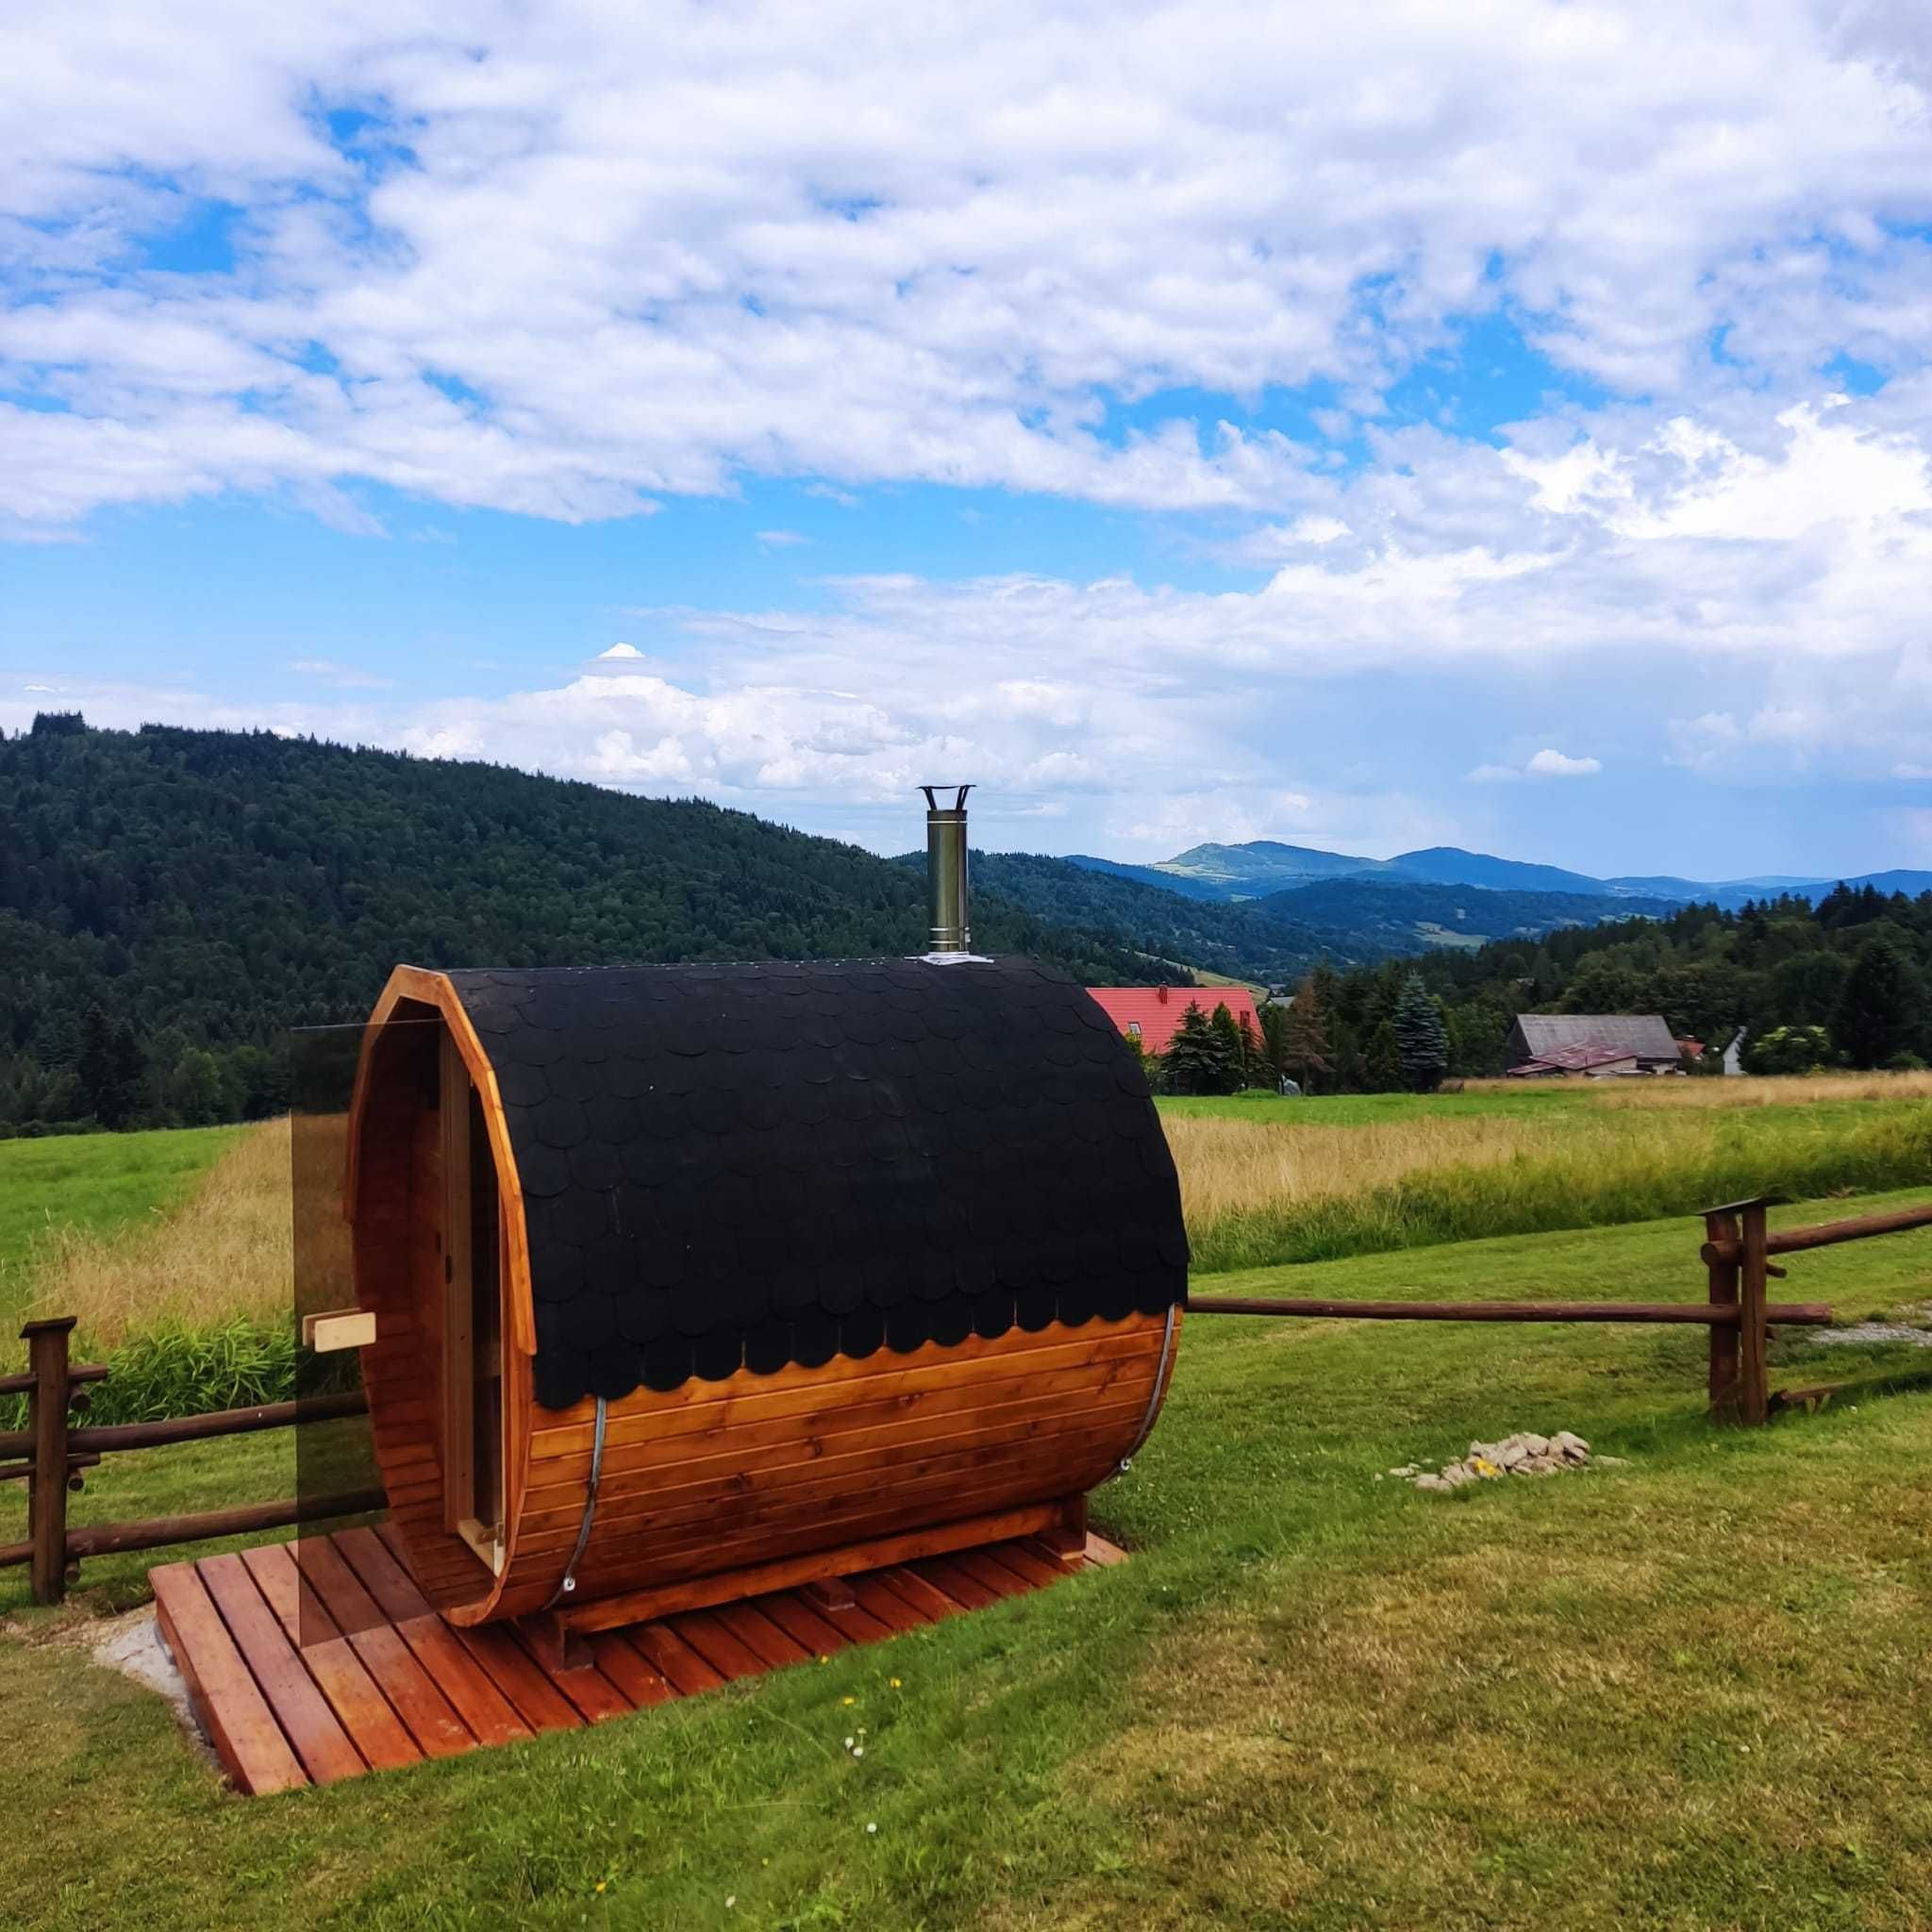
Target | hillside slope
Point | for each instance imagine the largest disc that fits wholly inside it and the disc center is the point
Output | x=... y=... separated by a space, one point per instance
x=1241 y=941
x=207 y=889
x=1398 y=914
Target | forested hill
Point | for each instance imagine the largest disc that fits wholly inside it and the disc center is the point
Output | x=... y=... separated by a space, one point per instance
x=1236 y=940
x=170 y=901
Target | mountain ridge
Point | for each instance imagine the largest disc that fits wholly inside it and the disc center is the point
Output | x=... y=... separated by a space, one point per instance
x=1262 y=867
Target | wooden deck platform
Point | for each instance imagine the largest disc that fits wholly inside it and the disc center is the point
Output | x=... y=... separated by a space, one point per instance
x=390 y=1683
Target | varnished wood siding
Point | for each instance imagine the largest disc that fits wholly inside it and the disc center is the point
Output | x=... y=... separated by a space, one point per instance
x=721 y=1475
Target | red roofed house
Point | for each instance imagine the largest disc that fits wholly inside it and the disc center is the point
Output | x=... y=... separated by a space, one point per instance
x=1152 y=1014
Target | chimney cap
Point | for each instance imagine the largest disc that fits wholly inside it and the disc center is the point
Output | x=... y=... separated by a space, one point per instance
x=959 y=803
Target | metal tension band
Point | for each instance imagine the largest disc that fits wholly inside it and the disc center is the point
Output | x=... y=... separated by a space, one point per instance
x=1146 y=1429
x=570 y=1569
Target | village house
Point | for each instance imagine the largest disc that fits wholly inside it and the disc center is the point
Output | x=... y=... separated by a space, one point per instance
x=1151 y=1015
x=1603 y=1046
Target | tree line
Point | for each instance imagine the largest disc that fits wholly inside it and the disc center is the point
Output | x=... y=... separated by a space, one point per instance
x=1840 y=984
x=173 y=902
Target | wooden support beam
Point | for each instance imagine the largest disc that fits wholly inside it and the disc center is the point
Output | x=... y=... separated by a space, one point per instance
x=46 y=1343
x=1754 y=1381
x=554 y=1645
x=1067 y=1536
x=787 y=1572
x=1720 y=1224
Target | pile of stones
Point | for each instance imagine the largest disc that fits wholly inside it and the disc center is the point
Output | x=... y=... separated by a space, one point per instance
x=1520 y=1454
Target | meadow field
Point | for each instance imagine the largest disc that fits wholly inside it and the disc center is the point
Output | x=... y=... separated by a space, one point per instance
x=1688 y=1692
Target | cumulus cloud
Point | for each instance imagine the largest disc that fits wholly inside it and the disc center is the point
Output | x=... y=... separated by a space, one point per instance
x=1543 y=764
x=620 y=653
x=566 y=261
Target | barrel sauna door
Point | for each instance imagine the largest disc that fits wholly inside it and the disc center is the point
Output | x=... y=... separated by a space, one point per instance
x=470 y=1377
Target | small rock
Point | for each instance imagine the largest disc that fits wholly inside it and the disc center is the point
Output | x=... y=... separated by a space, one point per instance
x=1573 y=1448
x=1612 y=1463
x=1432 y=1482
x=1509 y=1454
x=1536 y=1446
x=1458 y=1474
x=1407 y=1469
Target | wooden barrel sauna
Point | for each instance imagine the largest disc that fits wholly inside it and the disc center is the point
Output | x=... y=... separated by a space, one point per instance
x=692 y=1281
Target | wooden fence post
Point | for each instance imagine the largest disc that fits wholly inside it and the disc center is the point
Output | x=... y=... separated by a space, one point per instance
x=47 y=1404
x=1754 y=1377
x=1720 y=1227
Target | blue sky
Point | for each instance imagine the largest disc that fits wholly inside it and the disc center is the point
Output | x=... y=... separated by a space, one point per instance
x=1200 y=436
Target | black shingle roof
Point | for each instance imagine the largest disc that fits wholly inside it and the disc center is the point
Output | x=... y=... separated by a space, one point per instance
x=751 y=1165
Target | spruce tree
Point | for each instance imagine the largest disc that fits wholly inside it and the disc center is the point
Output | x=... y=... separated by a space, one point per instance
x=1234 y=1048
x=1422 y=1044
x=1306 y=1040
x=1197 y=1059
x=1877 y=1012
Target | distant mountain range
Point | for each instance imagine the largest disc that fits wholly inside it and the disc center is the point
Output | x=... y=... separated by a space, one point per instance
x=1263 y=868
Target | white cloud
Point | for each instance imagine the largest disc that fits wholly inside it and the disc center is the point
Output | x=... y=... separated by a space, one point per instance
x=1543 y=764
x=581 y=258
x=620 y=653
x=1555 y=764
x=781 y=540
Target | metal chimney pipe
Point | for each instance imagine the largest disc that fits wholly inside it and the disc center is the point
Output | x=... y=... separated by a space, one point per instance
x=945 y=872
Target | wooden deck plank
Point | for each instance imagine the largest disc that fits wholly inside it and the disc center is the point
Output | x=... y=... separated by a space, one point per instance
x=232 y=1709
x=887 y=1606
x=1024 y=1562
x=320 y=1659
x=919 y=1592
x=957 y=1583
x=589 y=1691
x=428 y=1716
x=452 y=1671
x=713 y=1642
x=630 y=1671
x=797 y=1619
x=996 y=1575
x=759 y=1633
x=516 y=1673
x=303 y=1712
x=354 y=1693
x=681 y=1665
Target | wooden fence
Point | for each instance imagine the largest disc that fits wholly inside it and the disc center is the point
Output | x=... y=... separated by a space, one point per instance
x=1737 y=1254
x=56 y=1454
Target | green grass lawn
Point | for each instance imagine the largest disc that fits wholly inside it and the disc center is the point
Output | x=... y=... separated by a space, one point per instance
x=1693 y=1692
x=94 y=1181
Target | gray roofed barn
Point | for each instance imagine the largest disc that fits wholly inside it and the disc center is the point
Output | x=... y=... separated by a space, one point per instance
x=1644 y=1036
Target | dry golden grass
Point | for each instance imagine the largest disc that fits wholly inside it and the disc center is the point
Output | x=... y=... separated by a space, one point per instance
x=225 y=1251
x=1235 y=1167
x=1771 y=1089
x=1270 y=1189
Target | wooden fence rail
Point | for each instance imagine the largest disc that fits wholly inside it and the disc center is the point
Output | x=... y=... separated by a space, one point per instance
x=1737 y=1255
x=56 y=1453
